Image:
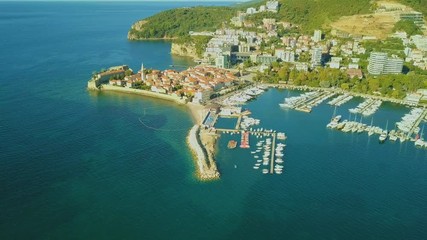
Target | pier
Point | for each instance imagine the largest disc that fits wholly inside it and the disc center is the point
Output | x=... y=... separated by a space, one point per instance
x=239 y=120
x=368 y=107
x=206 y=171
x=340 y=100
x=417 y=123
x=306 y=101
x=263 y=133
x=273 y=146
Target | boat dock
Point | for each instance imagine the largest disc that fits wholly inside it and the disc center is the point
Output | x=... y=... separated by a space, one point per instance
x=340 y=100
x=306 y=101
x=273 y=146
x=239 y=120
x=417 y=123
x=368 y=107
x=262 y=133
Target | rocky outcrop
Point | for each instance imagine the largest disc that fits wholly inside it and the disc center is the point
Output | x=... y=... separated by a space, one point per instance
x=207 y=169
x=136 y=27
x=186 y=50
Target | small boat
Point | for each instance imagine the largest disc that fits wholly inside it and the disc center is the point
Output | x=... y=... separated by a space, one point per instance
x=383 y=135
x=265 y=171
x=232 y=144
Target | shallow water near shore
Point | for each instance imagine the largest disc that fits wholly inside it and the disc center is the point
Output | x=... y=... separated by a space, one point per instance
x=80 y=165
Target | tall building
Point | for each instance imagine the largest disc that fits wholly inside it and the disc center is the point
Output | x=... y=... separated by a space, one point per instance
x=272 y=6
x=222 y=61
x=413 y=16
x=377 y=61
x=285 y=56
x=289 y=56
x=316 y=57
x=393 y=65
x=380 y=63
x=317 y=37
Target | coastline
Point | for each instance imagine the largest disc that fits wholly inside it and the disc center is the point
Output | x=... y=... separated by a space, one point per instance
x=200 y=142
x=197 y=112
x=202 y=154
x=142 y=92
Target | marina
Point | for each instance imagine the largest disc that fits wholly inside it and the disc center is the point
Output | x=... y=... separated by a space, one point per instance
x=406 y=129
x=367 y=108
x=306 y=101
x=240 y=97
x=340 y=100
x=267 y=148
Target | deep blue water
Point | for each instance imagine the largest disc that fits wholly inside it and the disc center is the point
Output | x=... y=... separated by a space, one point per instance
x=79 y=165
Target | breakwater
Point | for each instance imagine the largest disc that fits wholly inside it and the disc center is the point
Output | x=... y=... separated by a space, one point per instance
x=142 y=92
x=205 y=171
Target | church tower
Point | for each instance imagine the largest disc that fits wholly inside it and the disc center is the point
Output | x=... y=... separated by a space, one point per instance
x=142 y=72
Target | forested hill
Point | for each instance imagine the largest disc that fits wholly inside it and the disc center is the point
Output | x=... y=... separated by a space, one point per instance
x=178 y=22
x=418 y=5
x=311 y=14
x=308 y=14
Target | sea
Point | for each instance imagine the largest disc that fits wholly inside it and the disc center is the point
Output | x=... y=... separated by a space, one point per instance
x=76 y=164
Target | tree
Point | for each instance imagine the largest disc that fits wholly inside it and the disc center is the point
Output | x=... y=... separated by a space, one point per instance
x=345 y=86
x=283 y=74
x=407 y=26
x=128 y=72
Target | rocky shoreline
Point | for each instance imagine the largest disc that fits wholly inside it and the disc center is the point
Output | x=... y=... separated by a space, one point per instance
x=200 y=141
x=206 y=166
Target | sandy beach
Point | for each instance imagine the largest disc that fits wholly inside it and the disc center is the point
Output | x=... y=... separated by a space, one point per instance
x=197 y=112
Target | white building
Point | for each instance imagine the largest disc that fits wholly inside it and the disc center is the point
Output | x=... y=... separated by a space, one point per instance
x=285 y=56
x=289 y=56
x=420 y=42
x=317 y=37
x=222 y=61
x=251 y=10
x=316 y=57
x=353 y=66
x=335 y=62
x=272 y=6
x=380 y=63
x=393 y=65
x=202 y=96
x=408 y=52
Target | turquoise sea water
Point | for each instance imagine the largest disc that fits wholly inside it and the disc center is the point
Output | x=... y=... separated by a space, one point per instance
x=80 y=165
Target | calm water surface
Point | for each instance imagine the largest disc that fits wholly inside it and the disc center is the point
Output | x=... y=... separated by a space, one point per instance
x=79 y=165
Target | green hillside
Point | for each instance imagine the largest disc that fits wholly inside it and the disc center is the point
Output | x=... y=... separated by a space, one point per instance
x=311 y=14
x=418 y=5
x=178 y=22
x=308 y=14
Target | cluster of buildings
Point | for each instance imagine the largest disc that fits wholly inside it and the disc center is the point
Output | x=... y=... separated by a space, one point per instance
x=231 y=46
x=239 y=20
x=415 y=49
x=270 y=6
x=381 y=63
x=197 y=83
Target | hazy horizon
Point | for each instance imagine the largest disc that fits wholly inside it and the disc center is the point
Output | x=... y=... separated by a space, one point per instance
x=125 y=1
